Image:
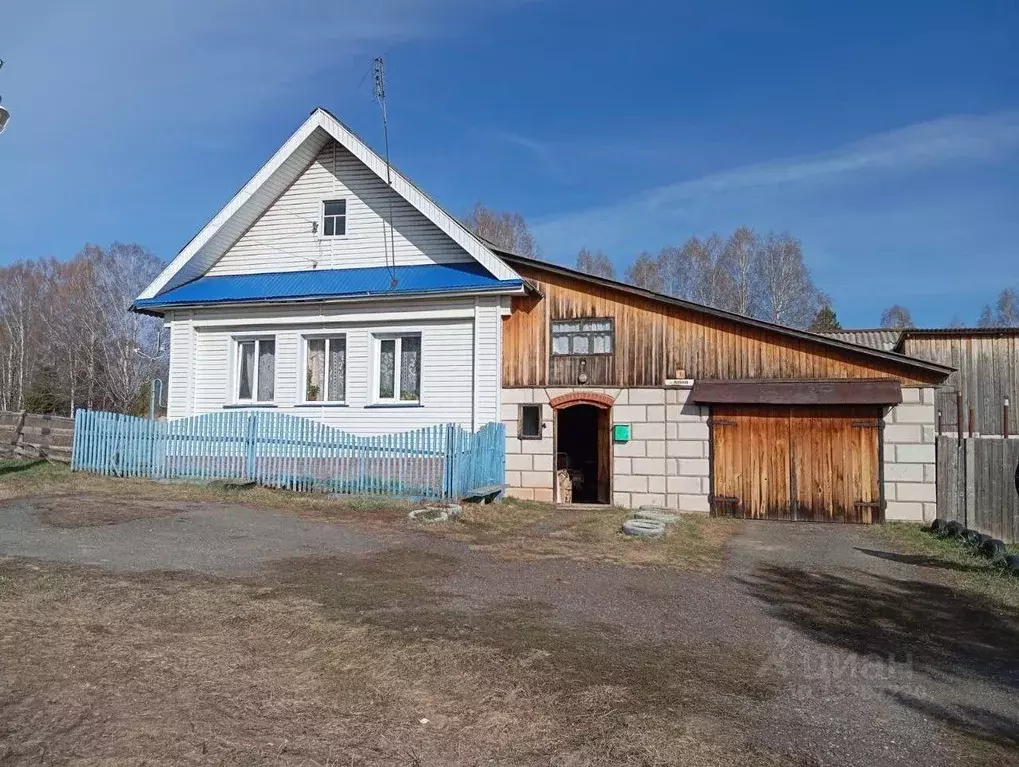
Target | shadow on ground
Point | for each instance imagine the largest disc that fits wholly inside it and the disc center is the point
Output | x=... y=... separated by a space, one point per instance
x=14 y=468
x=907 y=631
x=921 y=560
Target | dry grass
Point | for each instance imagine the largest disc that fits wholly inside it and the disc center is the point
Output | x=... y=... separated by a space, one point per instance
x=338 y=662
x=967 y=569
x=512 y=530
x=527 y=531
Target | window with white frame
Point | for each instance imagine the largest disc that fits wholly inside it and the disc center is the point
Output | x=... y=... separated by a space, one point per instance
x=334 y=218
x=398 y=369
x=326 y=369
x=582 y=336
x=256 y=369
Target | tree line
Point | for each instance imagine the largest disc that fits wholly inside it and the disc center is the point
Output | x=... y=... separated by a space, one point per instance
x=755 y=275
x=67 y=339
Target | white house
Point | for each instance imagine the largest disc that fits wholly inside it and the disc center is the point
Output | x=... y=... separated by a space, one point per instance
x=322 y=290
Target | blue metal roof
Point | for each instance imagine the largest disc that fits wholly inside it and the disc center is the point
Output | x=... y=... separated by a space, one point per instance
x=361 y=282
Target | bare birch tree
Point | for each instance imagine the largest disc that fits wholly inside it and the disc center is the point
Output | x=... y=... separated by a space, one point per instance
x=897 y=317
x=596 y=263
x=508 y=231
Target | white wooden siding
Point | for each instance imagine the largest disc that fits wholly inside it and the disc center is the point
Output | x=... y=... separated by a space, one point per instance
x=180 y=387
x=283 y=240
x=488 y=371
x=447 y=369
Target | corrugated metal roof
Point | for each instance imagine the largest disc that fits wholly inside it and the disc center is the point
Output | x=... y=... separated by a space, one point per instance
x=877 y=338
x=366 y=282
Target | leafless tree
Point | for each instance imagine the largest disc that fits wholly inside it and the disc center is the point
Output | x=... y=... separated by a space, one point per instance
x=788 y=294
x=508 y=231
x=67 y=339
x=897 y=317
x=1005 y=313
x=646 y=272
x=596 y=263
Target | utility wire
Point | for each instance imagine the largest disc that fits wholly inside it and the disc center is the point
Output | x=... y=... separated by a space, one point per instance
x=379 y=89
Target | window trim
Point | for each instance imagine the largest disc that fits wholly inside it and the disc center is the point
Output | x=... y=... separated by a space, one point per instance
x=588 y=333
x=257 y=339
x=395 y=401
x=303 y=394
x=520 y=422
x=322 y=219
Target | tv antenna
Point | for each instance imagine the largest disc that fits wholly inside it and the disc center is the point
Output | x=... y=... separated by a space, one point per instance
x=5 y=114
x=379 y=90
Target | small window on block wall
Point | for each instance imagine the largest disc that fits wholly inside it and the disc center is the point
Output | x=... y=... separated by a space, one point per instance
x=530 y=422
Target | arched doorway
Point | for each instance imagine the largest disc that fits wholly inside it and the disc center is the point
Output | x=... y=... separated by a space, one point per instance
x=583 y=447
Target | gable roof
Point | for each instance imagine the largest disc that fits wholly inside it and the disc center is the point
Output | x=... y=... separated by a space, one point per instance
x=273 y=178
x=902 y=360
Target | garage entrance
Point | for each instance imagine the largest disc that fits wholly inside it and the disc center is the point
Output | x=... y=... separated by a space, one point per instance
x=810 y=463
x=583 y=452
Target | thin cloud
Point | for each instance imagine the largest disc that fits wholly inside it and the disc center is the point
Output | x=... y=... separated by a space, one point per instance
x=941 y=142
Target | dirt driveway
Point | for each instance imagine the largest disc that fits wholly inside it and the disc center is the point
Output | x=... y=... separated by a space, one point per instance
x=810 y=645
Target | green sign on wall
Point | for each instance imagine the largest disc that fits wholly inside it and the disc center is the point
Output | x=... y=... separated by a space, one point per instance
x=621 y=432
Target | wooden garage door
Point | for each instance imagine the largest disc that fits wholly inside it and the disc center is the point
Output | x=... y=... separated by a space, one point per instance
x=796 y=463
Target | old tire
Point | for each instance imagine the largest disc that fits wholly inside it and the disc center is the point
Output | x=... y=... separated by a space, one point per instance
x=644 y=528
x=973 y=537
x=1012 y=564
x=937 y=526
x=656 y=514
x=954 y=529
x=993 y=549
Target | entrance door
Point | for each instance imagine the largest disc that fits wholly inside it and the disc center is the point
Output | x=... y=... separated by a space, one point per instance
x=818 y=464
x=584 y=449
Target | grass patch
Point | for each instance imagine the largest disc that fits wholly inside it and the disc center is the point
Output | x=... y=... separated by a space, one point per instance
x=346 y=663
x=530 y=531
x=970 y=571
x=511 y=530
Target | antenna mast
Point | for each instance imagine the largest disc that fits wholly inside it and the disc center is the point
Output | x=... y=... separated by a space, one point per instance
x=379 y=89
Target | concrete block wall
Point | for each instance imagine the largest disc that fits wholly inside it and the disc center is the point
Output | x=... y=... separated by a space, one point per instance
x=910 y=469
x=665 y=463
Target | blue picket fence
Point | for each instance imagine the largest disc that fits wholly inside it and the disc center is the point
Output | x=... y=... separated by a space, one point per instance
x=281 y=450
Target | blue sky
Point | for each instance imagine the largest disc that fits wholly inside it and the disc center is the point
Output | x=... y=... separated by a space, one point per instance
x=884 y=135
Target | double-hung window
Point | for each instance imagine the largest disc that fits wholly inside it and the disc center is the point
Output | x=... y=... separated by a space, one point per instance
x=256 y=370
x=325 y=376
x=398 y=369
x=334 y=218
x=582 y=337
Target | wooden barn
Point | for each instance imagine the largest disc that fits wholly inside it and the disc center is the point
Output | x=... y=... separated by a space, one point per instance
x=614 y=394
x=985 y=376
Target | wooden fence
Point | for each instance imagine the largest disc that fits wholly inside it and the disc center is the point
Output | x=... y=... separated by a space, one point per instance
x=29 y=435
x=295 y=453
x=976 y=484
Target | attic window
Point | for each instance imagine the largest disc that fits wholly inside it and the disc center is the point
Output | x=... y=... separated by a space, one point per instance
x=583 y=336
x=334 y=218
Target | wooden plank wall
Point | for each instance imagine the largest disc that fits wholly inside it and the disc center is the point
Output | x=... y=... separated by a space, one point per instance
x=976 y=484
x=654 y=340
x=987 y=370
x=29 y=435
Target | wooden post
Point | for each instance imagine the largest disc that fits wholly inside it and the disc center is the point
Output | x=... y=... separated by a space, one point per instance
x=958 y=415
